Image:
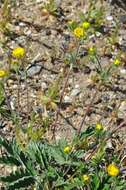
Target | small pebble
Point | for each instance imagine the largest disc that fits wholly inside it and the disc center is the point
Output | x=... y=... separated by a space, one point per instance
x=44 y=86
x=67 y=99
x=123 y=71
x=109 y=18
x=22 y=24
x=75 y=92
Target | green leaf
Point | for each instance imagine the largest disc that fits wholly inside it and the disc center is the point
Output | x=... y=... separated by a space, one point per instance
x=52 y=173
x=60 y=182
x=18 y=179
x=96 y=182
x=6 y=145
x=36 y=152
x=75 y=184
x=18 y=174
x=106 y=187
x=121 y=187
x=5 y=112
x=23 y=182
x=121 y=184
x=2 y=95
x=9 y=160
x=58 y=155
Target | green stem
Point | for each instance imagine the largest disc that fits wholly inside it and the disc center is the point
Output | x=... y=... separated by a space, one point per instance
x=98 y=61
x=18 y=91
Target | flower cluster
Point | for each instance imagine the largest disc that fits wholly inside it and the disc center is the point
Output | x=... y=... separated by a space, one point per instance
x=80 y=31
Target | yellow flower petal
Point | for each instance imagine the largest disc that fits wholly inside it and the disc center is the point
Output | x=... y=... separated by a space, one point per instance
x=116 y=62
x=79 y=32
x=86 y=25
x=92 y=50
x=18 y=52
x=99 y=126
x=86 y=178
x=3 y=73
x=67 y=149
x=113 y=170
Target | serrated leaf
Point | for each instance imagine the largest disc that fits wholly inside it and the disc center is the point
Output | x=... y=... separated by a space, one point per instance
x=106 y=187
x=21 y=183
x=6 y=145
x=9 y=160
x=58 y=155
x=18 y=174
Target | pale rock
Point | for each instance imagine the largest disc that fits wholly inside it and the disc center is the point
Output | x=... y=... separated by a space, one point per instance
x=122 y=110
x=43 y=86
x=123 y=71
x=75 y=92
x=109 y=18
x=67 y=99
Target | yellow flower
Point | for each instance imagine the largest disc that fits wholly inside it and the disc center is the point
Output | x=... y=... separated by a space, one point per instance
x=86 y=25
x=67 y=149
x=116 y=62
x=79 y=32
x=86 y=178
x=99 y=126
x=91 y=50
x=3 y=73
x=18 y=52
x=113 y=170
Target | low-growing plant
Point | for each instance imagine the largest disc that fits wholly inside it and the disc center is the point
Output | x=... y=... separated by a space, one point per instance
x=51 y=7
x=91 y=24
x=5 y=17
x=82 y=163
x=51 y=98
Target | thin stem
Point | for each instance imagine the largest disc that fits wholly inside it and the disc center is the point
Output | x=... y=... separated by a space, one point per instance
x=27 y=93
x=98 y=61
x=64 y=87
x=6 y=97
x=87 y=111
x=60 y=101
x=18 y=91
